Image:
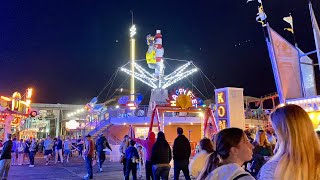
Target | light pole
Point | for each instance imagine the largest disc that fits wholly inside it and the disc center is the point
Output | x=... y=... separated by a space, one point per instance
x=132 y=50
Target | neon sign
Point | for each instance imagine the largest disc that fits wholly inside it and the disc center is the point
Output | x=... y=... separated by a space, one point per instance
x=182 y=91
x=222 y=112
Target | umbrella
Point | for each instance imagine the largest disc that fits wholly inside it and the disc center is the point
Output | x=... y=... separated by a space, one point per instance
x=131 y=132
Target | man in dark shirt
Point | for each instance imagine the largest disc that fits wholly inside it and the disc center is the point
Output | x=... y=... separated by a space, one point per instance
x=181 y=155
x=58 y=150
x=5 y=158
x=101 y=144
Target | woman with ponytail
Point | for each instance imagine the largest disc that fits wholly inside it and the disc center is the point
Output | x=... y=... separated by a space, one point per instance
x=232 y=150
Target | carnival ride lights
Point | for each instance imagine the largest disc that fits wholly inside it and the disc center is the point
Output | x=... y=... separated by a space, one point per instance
x=155 y=60
x=16 y=100
x=147 y=78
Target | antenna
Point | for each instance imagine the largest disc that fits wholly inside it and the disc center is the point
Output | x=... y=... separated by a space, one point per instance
x=131 y=17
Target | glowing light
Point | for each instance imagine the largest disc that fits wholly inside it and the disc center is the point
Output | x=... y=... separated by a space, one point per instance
x=145 y=123
x=312 y=115
x=72 y=124
x=117 y=106
x=5 y=98
x=124 y=124
x=169 y=123
x=133 y=31
x=191 y=123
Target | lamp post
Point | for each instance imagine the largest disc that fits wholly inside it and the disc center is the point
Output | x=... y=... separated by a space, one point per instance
x=132 y=55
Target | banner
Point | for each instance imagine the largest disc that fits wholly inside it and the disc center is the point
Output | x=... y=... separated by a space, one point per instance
x=286 y=68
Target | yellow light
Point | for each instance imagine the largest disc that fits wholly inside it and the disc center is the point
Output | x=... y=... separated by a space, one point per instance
x=132 y=89
x=191 y=123
x=312 y=116
x=169 y=123
x=5 y=98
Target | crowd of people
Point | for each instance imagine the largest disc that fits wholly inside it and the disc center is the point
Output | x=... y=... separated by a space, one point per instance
x=290 y=149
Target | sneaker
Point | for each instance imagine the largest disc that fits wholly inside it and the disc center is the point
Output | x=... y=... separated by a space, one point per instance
x=100 y=170
x=47 y=164
x=31 y=165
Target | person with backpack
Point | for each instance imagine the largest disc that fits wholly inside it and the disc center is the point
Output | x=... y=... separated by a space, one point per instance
x=132 y=158
x=101 y=145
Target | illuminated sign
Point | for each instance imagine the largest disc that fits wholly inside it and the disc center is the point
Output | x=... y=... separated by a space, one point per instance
x=183 y=91
x=222 y=113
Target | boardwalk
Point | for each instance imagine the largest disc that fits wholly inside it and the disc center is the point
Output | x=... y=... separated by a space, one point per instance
x=74 y=170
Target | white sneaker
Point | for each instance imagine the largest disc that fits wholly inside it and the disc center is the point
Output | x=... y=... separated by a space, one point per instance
x=31 y=165
x=47 y=164
x=100 y=169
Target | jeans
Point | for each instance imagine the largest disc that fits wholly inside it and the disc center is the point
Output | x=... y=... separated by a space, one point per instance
x=181 y=165
x=4 y=168
x=124 y=166
x=80 y=147
x=102 y=158
x=160 y=171
x=31 y=157
x=131 y=167
x=88 y=160
x=58 y=153
x=149 y=170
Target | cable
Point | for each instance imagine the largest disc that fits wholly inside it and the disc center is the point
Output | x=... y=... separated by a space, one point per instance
x=112 y=83
x=108 y=83
x=205 y=76
x=118 y=87
x=204 y=84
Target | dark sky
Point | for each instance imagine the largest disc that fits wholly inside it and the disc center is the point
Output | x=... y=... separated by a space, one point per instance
x=67 y=50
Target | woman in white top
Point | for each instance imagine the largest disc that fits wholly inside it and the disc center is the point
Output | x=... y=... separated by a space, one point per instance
x=199 y=160
x=297 y=152
x=232 y=150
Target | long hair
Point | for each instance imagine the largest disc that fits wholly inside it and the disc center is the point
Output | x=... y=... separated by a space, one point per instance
x=161 y=139
x=261 y=138
x=225 y=140
x=207 y=145
x=298 y=148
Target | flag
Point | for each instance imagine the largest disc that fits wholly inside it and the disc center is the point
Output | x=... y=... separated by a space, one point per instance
x=316 y=31
x=290 y=21
x=286 y=67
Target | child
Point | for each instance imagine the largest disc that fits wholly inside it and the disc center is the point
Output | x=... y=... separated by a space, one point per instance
x=140 y=164
x=132 y=157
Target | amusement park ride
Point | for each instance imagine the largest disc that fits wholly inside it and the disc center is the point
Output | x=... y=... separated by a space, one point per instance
x=13 y=110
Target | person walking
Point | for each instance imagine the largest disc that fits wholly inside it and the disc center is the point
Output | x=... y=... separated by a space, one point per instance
x=32 y=150
x=147 y=144
x=297 y=152
x=20 y=149
x=58 y=150
x=26 y=151
x=123 y=147
x=48 y=146
x=88 y=155
x=5 y=158
x=181 y=155
x=160 y=158
x=101 y=145
x=80 y=146
x=14 y=152
x=132 y=158
x=67 y=148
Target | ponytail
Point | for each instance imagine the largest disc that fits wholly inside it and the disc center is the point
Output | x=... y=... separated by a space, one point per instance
x=212 y=163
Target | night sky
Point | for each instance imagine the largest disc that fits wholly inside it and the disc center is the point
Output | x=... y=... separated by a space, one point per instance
x=68 y=50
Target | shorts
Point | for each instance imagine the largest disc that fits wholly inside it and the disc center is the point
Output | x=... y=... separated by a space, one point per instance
x=48 y=152
x=67 y=152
